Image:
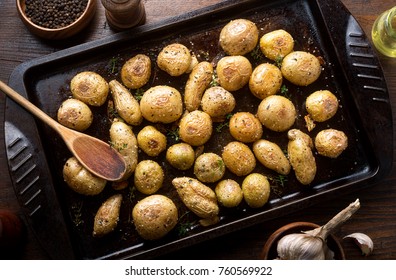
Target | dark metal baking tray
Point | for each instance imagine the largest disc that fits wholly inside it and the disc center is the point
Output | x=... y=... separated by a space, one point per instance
x=62 y=220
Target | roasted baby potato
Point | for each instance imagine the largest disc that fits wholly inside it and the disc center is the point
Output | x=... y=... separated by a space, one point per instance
x=265 y=80
x=233 y=72
x=217 y=102
x=331 y=142
x=107 y=216
x=321 y=105
x=181 y=156
x=80 y=179
x=199 y=198
x=161 y=104
x=301 y=68
x=195 y=128
x=239 y=37
x=199 y=79
x=148 y=176
x=302 y=160
x=175 y=59
x=124 y=141
x=151 y=140
x=154 y=216
x=229 y=193
x=276 y=44
x=136 y=71
x=75 y=114
x=126 y=105
x=245 y=127
x=256 y=190
x=271 y=156
x=277 y=113
x=238 y=158
x=89 y=87
x=209 y=168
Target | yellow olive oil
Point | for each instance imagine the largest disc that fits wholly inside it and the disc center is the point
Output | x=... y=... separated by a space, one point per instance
x=384 y=33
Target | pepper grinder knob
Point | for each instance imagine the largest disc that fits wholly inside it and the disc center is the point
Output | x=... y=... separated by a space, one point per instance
x=124 y=14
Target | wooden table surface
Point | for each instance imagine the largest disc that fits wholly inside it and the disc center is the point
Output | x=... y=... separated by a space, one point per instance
x=376 y=218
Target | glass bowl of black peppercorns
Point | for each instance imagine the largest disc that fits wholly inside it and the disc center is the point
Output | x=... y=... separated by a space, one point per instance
x=56 y=19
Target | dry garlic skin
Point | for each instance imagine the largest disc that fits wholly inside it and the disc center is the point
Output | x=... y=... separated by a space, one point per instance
x=80 y=180
x=148 y=176
x=75 y=114
x=175 y=59
x=238 y=158
x=181 y=156
x=161 y=104
x=256 y=190
x=229 y=193
x=233 y=72
x=217 y=102
x=265 y=80
x=301 y=68
x=151 y=141
x=239 y=37
x=276 y=44
x=209 y=168
x=136 y=71
x=89 y=87
x=321 y=105
x=154 y=216
x=245 y=127
x=331 y=142
x=195 y=128
x=276 y=113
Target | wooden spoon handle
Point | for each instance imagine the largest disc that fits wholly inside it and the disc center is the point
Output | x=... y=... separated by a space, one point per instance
x=29 y=106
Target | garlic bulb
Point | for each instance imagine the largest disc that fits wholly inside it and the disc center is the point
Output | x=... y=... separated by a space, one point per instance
x=311 y=245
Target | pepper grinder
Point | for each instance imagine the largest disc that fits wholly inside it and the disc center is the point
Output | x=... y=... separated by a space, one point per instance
x=124 y=14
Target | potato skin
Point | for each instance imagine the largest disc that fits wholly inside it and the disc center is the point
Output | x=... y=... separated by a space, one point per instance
x=276 y=44
x=136 y=71
x=266 y=80
x=175 y=59
x=256 y=190
x=125 y=104
x=233 y=72
x=245 y=127
x=75 y=114
x=89 y=87
x=148 y=176
x=229 y=193
x=321 y=105
x=209 y=168
x=331 y=142
x=107 y=216
x=238 y=158
x=199 y=79
x=154 y=216
x=301 y=158
x=217 y=102
x=181 y=156
x=151 y=141
x=195 y=128
x=239 y=37
x=271 y=156
x=161 y=104
x=124 y=141
x=80 y=179
x=301 y=68
x=277 y=113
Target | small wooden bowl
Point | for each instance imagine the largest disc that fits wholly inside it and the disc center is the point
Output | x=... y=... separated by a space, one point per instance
x=269 y=250
x=58 y=33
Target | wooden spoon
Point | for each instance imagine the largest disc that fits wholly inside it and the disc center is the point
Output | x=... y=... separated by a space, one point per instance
x=95 y=155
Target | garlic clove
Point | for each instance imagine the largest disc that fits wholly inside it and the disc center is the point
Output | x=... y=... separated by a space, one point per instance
x=363 y=241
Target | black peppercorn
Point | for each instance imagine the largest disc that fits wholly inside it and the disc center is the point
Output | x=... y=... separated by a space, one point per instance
x=54 y=13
